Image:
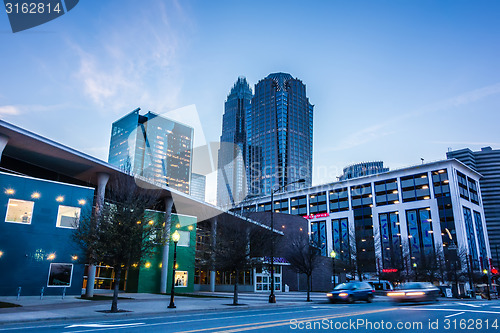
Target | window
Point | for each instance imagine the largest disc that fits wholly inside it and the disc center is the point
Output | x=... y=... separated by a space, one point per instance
x=471 y=237
x=318 y=235
x=462 y=186
x=420 y=232
x=386 y=192
x=340 y=238
x=181 y=278
x=68 y=217
x=184 y=238
x=415 y=187
x=473 y=191
x=60 y=275
x=19 y=211
x=390 y=238
x=339 y=200
x=480 y=237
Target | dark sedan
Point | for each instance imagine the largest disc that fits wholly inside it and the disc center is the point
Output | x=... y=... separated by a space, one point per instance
x=415 y=292
x=350 y=292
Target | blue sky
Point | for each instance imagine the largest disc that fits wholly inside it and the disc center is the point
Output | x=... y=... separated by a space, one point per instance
x=390 y=80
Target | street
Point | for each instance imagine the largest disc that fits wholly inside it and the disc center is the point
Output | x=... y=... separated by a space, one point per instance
x=445 y=316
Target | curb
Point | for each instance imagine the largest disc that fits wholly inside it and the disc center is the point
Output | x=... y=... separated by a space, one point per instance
x=132 y=313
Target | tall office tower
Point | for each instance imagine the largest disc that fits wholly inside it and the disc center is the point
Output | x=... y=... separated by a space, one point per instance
x=153 y=147
x=231 y=176
x=279 y=134
x=487 y=163
x=197 y=188
x=363 y=169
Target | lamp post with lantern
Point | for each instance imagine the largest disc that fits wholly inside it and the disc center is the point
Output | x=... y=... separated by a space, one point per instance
x=333 y=254
x=175 y=238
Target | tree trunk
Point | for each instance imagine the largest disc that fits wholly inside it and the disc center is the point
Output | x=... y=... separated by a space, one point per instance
x=114 y=304
x=235 y=293
x=308 y=287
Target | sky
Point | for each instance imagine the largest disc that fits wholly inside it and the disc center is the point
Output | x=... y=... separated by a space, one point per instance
x=390 y=80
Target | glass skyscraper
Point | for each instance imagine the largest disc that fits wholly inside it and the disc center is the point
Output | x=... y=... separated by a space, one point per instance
x=231 y=177
x=266 y=138
x=279 y=134
x=153 y=147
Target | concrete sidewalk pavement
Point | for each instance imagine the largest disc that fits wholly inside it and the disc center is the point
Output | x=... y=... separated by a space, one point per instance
x=73 y=307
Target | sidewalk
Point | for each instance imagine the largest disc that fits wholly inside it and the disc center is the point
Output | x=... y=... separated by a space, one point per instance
x=72 y=307
x=54 y=307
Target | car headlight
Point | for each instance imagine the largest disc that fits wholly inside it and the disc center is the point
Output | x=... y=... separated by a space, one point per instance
x=396 y=293
x=329 y=295
x=343 y=294
x=415 y=293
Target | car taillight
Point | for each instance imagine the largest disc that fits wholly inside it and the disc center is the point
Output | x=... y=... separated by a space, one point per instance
x=373 y=291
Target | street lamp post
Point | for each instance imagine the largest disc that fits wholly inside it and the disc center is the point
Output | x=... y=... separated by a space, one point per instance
x=487 y=274
x=272 y=297
x=333 y=254
x=175 y=237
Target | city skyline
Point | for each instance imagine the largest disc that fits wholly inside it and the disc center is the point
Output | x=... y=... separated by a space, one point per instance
x=384 y=76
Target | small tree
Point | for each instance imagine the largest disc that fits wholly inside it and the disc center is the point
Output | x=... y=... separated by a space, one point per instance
x=237 y=246
x=122 y=232
x=303 y=257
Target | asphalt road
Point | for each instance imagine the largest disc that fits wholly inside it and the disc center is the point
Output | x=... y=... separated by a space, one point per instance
x=359 y=317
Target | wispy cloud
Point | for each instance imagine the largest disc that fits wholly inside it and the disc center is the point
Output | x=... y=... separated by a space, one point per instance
x=385 y=128
x=128 y=67
x=9 y=110
x=361 y=137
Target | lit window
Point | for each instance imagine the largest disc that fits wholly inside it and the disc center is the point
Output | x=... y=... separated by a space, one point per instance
x=60 y=275
x=68 y=217
x=19 y=211
x=181 y=278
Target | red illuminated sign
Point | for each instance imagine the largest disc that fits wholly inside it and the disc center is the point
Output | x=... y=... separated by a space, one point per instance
x=389 y=270
x=313 y=216
x=494 y=271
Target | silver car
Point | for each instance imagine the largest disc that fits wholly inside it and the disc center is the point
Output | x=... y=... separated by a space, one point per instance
x=415 y=292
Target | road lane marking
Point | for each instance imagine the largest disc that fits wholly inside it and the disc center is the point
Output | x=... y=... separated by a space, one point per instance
x=275 y=323
x=455 y=314
x=471 y=305
x=104 y=325
x=197 y=320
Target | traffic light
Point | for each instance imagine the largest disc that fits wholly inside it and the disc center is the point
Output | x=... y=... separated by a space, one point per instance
x=494 y=271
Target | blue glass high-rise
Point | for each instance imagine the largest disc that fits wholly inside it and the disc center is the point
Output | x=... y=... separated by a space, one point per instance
x=279 y=134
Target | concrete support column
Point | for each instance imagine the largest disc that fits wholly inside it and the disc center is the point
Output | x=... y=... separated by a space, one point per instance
x=102 y=181
x=3 y=142
x=214 y=240
x=164 y=261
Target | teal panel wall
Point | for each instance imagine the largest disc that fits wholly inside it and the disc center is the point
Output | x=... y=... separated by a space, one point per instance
x=26 y=247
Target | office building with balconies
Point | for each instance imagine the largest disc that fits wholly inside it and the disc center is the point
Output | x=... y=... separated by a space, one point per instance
x=430 y=215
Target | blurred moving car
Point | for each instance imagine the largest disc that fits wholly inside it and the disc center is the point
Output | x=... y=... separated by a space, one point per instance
x=415 y=292
x=350 y=292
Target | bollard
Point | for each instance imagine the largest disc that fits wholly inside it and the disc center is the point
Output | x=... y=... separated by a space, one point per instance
x=64 y=292
x=41 y=293
x=18 y=293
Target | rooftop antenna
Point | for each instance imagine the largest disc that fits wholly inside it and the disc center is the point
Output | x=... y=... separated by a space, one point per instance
x=422 y=160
